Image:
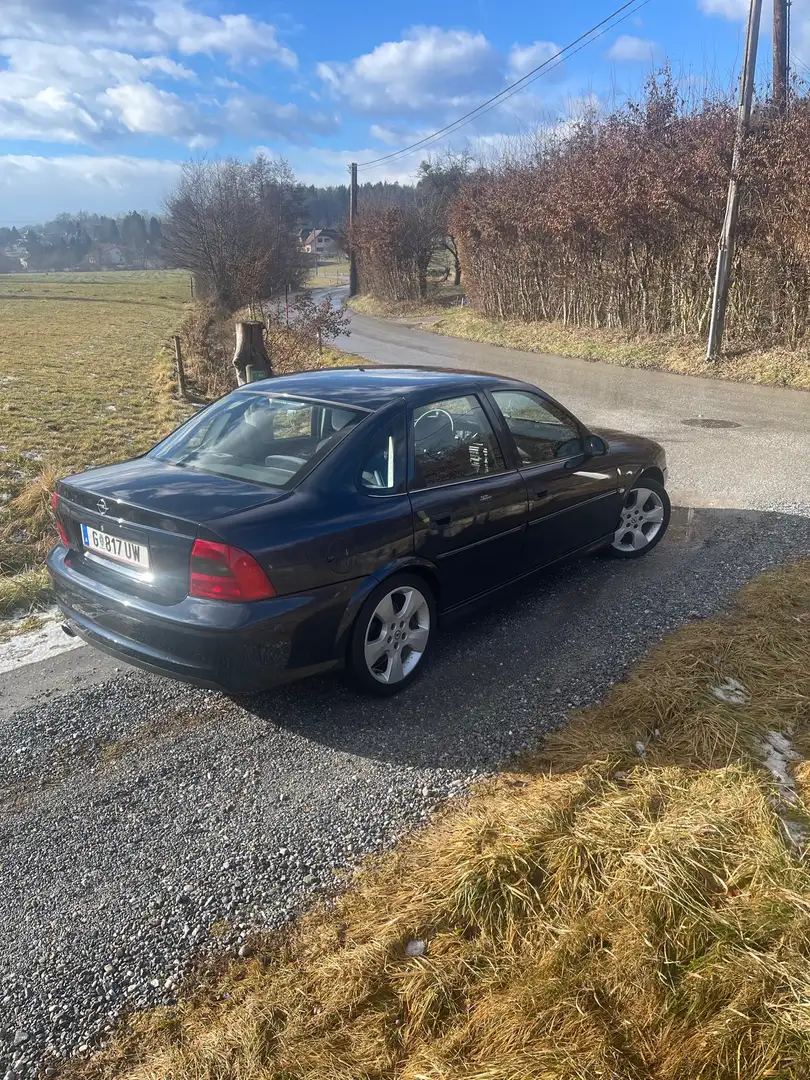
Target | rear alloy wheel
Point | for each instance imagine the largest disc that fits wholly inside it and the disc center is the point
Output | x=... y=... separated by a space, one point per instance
x=644 y=520
x=393 y=634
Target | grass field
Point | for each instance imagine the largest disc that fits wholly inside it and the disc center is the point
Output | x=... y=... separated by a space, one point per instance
x=632 y=902
x=85 y=378
x=684 y=356
x=329 y=272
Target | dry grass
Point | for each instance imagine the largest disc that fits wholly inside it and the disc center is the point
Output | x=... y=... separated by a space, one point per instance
x=86 y=379
x=684 y=356
x=626 y=905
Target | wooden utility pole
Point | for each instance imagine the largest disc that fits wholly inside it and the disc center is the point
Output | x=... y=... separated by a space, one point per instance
x=780 y=55
x=725 y=251
x=352 y=221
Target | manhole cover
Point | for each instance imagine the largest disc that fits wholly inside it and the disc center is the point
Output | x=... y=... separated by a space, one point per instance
x=707 y=421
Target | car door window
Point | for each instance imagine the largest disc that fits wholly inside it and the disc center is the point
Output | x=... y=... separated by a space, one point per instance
x=452 y=441
x=383 y=464
x=541 y=432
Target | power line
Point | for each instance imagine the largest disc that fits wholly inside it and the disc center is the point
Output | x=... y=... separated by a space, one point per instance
x=520 y=84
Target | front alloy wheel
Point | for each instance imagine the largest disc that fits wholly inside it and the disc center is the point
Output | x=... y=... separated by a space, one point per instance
x=644 y=520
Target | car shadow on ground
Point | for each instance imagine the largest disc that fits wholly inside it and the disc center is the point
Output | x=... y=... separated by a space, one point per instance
x=506 y=674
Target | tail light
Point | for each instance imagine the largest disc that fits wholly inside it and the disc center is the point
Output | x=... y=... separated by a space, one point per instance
x=60 y=527
x=221 y=572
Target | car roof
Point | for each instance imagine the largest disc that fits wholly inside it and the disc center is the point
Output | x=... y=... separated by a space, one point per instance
x=376 y=385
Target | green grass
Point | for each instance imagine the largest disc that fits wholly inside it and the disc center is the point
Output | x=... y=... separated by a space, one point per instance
x=683 y=356
x=329 y=272
x=85 y=379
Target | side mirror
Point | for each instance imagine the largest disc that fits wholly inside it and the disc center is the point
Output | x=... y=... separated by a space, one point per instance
x=595 y=447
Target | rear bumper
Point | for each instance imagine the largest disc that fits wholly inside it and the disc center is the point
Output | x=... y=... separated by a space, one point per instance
x=237 y=648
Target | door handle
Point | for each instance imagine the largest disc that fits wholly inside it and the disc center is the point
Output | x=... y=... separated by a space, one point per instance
x=543 y=494
x=442 y=522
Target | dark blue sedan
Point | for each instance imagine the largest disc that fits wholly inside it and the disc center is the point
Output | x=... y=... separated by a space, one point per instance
x=328 y=519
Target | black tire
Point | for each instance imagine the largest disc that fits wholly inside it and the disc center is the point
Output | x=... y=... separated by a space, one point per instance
x=357 y=667
x=659 y=491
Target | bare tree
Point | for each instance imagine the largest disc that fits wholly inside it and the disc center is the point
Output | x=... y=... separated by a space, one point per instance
x=440 y=180
x=233 y=225
x=396 y=245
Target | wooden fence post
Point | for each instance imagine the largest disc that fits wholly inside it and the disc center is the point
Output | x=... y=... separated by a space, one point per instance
x=181 y=374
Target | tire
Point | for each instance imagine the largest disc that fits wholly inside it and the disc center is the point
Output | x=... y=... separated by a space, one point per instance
x=396 y=661
x=644 y=520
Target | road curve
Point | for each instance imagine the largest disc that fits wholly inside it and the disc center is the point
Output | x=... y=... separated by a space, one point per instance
x=758 y=464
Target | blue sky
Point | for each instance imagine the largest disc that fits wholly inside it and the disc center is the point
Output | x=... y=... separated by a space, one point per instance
x=100 y=100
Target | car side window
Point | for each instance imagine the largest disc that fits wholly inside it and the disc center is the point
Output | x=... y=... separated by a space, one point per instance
x=453 y=440
x=383 y=463
x=541 y=432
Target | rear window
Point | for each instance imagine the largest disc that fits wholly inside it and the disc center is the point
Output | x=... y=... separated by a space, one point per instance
x=256 y=437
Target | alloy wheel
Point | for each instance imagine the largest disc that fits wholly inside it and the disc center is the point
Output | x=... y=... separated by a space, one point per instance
x=397 y=635
x=641 y=521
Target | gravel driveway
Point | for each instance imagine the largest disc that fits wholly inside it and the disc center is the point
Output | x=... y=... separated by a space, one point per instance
x=141 y=821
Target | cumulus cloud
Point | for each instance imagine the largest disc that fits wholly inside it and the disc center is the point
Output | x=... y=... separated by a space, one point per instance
x=524 y=58
x=428 y=68
x=145 y=110
x=146 y=25
x=632 y=49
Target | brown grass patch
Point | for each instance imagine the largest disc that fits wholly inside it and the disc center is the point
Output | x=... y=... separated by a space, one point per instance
x=626 y=905
x=86 y=380
x=681 y=355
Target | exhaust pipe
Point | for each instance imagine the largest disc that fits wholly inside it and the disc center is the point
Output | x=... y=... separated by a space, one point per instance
x=68 y=630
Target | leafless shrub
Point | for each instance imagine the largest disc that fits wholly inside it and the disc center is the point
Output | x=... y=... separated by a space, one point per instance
x=617 y=225
x=395 y=246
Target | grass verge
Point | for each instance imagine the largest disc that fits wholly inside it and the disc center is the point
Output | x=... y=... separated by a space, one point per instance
x=86 y=379
x=684 y=356
x=632 y=903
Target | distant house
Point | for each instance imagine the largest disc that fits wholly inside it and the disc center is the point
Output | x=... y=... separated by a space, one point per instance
x=321 y=242
x=111 y=255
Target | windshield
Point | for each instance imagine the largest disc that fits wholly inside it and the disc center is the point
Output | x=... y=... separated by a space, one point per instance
x=256 y=437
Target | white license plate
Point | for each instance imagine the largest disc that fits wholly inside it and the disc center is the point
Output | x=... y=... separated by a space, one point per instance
x=114 y=547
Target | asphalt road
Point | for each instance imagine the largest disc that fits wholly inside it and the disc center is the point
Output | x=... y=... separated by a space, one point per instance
x=137 y=814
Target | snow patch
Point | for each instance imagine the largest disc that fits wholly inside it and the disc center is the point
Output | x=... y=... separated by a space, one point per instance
x=777 y=757
x=36 y=645
x=732 y=691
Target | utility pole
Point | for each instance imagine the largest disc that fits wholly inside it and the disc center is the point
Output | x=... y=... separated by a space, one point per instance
x=352 y=221
x=725 y=251
x=780 y=55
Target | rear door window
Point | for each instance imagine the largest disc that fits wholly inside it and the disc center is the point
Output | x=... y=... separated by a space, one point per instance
x=257 y=437
x=383 y=465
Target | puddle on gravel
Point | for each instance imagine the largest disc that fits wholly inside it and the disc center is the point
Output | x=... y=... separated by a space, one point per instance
x=687 y=525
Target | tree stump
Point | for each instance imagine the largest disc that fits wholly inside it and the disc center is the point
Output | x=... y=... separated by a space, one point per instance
x=250 y=350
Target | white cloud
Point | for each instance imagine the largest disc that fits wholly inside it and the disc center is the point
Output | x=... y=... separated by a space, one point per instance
x=524 y=58
x=429 y=67
x=729 y=9
x=37 y=188
x=145 y=110
x=145 y=25
x=632 y=49
x=238 y=37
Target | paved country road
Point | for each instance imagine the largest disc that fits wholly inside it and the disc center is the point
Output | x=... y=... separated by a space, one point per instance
x=137 y=814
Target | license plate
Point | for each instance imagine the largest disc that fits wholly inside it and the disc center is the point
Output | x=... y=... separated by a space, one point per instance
x=114 y=547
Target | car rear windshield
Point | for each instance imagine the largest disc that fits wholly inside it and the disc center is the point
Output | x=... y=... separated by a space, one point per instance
x=252 y=436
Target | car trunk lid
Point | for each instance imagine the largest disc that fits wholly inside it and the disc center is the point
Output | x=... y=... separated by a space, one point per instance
x=147 y=506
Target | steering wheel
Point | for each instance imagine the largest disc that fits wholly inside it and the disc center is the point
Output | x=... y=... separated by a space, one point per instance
x=433 y=413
